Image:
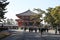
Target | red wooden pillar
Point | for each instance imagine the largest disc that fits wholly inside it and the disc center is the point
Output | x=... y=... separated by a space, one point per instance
x=20 y=23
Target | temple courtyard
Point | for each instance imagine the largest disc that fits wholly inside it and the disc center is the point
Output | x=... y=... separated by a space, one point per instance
x=25 y=35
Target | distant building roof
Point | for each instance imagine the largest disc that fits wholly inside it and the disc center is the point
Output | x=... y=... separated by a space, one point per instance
x=26 y=13
x=8 y=24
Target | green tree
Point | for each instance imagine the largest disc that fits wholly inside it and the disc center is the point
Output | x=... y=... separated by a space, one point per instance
x=3 y=5
x=8 y=22
x=36 y=17
x=48 y=18
x=52 y=17
x=56 y=15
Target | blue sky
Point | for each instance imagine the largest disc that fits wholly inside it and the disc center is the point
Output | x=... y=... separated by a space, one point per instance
x=18 y=6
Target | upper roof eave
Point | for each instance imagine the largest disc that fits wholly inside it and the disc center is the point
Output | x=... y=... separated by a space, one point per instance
x=26 y=13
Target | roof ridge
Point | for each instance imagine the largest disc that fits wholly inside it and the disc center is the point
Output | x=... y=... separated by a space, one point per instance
x=28 y=12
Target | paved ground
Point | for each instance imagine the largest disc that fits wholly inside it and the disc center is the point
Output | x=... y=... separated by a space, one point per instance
x=19 y=35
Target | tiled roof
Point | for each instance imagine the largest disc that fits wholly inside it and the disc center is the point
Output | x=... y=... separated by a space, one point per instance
x=8 y=24
x=26 y=13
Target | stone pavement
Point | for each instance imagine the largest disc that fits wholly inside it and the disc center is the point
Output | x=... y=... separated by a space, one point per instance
x=31 y=36
x=21 y=35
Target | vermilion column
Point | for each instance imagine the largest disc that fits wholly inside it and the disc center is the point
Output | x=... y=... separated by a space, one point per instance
x=20 y=23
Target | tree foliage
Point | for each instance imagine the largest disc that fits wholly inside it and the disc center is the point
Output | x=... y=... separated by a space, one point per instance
x=48 y=18
x=56 y=14
x=3 y=5
x=37 y=16
x=53 y=17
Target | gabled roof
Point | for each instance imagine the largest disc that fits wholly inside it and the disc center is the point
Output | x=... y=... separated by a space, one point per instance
x=26 y=13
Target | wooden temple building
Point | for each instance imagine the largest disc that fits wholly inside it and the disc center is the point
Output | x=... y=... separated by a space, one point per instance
x=24 y=19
